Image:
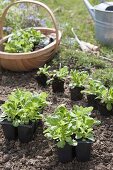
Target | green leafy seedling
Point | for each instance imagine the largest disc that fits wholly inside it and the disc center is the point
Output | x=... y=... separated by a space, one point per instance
x=78 y=78
x=44 y=70
x=23 y=107
x=60 y=74
x=23 y=41
x=84 y=123
x=59 y=127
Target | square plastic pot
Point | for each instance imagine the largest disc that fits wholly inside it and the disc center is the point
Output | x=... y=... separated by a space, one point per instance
x=83 y=150
x=103 y=110
x=42 y=80
x=92 y=101
x=25 y=132
x=58 y=85
x=10 y=132
x=76 y=93
x=65 y=154
x=37 y=123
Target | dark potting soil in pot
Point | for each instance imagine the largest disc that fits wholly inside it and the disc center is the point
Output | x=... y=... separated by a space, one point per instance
x=58 y=85
x=76 y=93
x=10 y=132
x=42 y=80
x=83 y=150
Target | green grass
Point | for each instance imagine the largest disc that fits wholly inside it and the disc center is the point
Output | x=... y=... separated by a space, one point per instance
x=74 y=14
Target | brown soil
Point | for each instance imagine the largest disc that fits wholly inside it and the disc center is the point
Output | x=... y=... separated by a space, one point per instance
x=40 y=154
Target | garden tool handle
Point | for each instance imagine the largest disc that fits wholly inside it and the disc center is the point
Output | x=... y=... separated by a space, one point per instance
x=2 y=18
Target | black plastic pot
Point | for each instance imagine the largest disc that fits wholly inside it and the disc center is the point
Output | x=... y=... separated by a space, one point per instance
x=37 y=123
x=65 y=154
x=76 y=93
x=42 y=80
x=92 y=101
x=10 y=132
x=58 y=85
x=83 y=150
x=25 y=132
x=103 y=110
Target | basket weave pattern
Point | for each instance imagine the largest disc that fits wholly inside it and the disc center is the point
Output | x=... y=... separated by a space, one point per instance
x=31 y=60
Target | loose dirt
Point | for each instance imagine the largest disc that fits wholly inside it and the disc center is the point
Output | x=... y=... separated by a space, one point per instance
x=40 y=154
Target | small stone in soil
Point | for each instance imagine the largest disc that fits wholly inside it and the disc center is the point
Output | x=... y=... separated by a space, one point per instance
x=31 y=162
x=54 y=99
x=6 y=158
x=23 y=160
x=48 y=152
x=7 y=166
x=39 y=157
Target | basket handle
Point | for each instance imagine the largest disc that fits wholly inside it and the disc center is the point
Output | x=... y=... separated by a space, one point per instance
x=2 y=18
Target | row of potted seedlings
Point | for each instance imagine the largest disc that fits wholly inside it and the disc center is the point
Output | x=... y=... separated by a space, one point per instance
x=72 y=131
x=98 y=96
x=57 y=79
x=21 y=114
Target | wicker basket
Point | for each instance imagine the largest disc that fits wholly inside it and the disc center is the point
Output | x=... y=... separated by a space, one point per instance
x=30 y=60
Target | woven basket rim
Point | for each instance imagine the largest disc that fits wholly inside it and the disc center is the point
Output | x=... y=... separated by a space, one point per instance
x=5 y=54
x=30 y=60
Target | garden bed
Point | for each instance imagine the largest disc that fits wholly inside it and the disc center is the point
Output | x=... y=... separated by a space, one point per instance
x=41 y=154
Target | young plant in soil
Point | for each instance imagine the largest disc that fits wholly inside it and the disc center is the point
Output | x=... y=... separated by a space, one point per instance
x=105 y=106
x=21 y=111
x=78 y=80
x=71 y=128
x=42 y=75
x=58 y=79
x=93 y=90
x=83 y=131
x=59 y=128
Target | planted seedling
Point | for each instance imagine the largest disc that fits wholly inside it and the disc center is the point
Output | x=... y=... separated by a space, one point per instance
x=84 y=131
x=59 y=128
x=70 y=128
x=94 y=87
x=94 y=90
x=84 y=123
x=78 y=80
x=42 y=75
x=22 y=110
x=105 y=106
x=58 y=79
